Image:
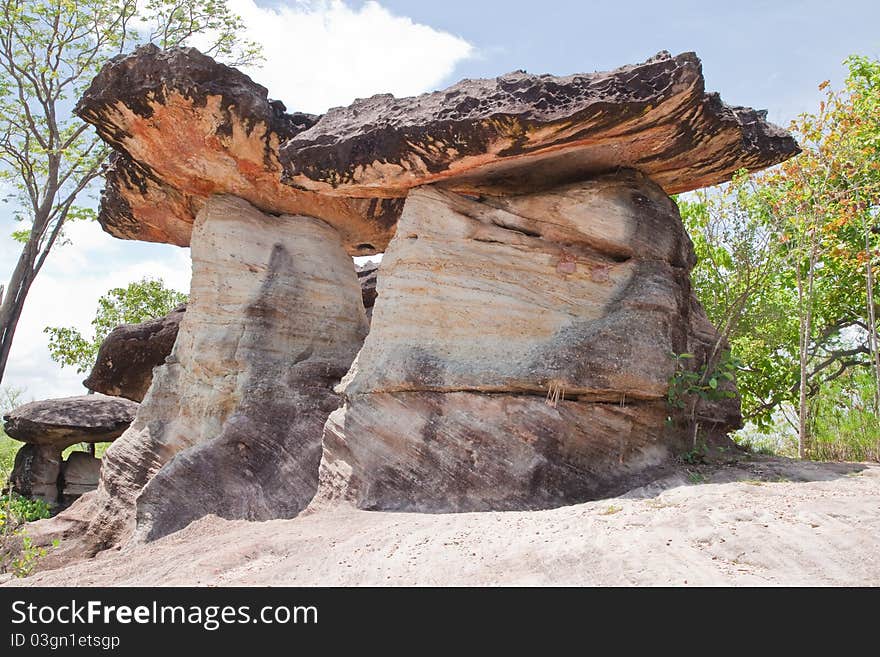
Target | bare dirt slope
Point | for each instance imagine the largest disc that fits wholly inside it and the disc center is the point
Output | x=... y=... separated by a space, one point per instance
x=754 y=522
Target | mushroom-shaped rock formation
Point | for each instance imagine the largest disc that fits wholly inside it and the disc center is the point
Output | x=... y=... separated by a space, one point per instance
x=185 y=127
x=70 y=420
x=127 y=356
x=50 y=426
x=534 y=286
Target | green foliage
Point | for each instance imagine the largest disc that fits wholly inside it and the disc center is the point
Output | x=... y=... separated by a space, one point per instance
x=704 y=383
x=50 y=50
x=16 y=506
x=175 y=22
x=845 y=425
x=138 y=302
x=696 y=477
x=10 y=397
x=696 y=455
x=787 y=266
x=743 y=284
x=8 y=450
x=22 y=562
x=18 y=554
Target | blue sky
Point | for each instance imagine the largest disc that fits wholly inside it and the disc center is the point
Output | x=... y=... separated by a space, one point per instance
x=769 y=55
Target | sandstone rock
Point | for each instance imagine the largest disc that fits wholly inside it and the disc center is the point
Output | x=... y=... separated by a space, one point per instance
x=63 y=422
x=125 y=361
x=232 y=422
x=462 y=451
x=35 y=472
x=79 y=475
x=487 y=308
x=50 y=426
x=475 y=296
x=535 y=289
x=184 y=128
x=525 y=132
x=368 y=275
x=126 y=358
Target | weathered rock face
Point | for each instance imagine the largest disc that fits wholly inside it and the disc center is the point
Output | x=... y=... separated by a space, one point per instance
x=65 y=422
x=186 y=127
x=537 y=259
x=35 y=472
x=462 y=451
x=126 y=358
x=488 y=307
x=125 y=361
x=232 y=422
x=524 y=132
x=79 y=475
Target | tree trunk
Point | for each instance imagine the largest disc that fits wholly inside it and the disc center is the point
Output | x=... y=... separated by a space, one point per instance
x=13 y=302
x=872 y=318
x=805 y=307
x=802 y=384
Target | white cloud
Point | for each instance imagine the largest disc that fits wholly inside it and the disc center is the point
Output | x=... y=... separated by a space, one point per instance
x=66 y=293
x=323 y=53
x=319 y=54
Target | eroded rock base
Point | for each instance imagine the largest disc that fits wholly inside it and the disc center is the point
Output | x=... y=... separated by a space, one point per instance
x=463 y=451
x=231 y=424
x=520 y=352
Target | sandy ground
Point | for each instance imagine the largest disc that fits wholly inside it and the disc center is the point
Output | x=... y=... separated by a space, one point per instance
x=759 y=521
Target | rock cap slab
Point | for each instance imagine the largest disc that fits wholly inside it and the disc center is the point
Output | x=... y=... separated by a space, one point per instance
x=70 y=420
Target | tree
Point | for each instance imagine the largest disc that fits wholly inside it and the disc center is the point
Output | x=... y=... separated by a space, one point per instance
x=739 y=279
x=787 y=266
x=138 y=302
x=828 y=197
x=49 y=52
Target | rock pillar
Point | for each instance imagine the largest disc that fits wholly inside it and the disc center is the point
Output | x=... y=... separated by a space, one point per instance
x=231 y=424
x=520 y=352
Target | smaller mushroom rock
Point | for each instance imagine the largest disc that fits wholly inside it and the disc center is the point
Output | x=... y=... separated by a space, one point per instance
x=185 y=127
x=125 y=362
x=60 y=423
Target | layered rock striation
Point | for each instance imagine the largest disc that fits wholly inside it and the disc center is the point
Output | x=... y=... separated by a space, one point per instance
x=520 y=352
x=232 y=421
